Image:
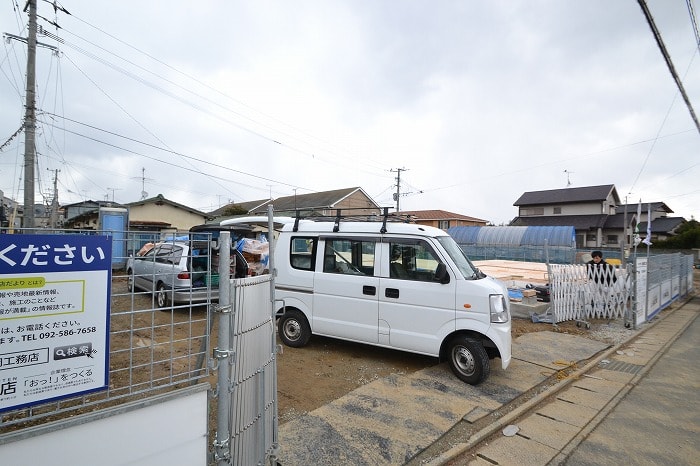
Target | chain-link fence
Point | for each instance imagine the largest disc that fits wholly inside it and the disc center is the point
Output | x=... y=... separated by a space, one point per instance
x=152 y=349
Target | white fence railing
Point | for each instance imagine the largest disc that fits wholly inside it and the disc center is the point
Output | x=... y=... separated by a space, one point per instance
x=161 y=352
x=578 y=295
x=637 y=293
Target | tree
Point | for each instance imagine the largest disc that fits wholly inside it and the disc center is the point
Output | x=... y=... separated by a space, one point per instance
x=233 y=209
x=687 y=237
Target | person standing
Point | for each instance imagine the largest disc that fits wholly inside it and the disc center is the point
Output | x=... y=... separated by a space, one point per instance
x=603 y=276
x=600 y=271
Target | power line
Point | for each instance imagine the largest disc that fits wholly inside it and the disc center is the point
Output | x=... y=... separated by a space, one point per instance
x=693 y=22
x=222 y=167
x=669 y=63
x=270 y=138
x=213 y=89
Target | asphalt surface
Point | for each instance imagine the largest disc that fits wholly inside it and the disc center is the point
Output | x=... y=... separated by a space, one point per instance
x=658 y=421
x=402 y=418
x=636 y=404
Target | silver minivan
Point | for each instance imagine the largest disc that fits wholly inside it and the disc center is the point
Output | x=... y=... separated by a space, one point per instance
x=181 y=272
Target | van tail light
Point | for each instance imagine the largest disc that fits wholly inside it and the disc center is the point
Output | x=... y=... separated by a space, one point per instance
x=183 y=275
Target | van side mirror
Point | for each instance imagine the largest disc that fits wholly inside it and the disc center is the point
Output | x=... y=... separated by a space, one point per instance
x=441 y=274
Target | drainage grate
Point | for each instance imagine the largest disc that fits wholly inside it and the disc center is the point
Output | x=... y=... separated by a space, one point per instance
x=620 y=366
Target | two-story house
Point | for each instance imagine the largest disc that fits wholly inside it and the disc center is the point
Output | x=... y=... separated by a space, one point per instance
x=597 y=215
x=586 y=209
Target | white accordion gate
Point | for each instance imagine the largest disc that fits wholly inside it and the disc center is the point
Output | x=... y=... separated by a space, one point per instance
x=578 y=296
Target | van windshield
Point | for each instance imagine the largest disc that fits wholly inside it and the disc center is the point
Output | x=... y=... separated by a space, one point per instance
x=467 y=269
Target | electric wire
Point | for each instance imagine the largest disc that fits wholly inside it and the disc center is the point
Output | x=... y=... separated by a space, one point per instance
x=693 y=22
x=215 y=165
x=203 y=84
x=274 y=139
x=134 y=119
x=664 y=52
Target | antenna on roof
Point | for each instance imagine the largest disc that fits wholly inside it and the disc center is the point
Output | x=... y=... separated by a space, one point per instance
x=568 y=180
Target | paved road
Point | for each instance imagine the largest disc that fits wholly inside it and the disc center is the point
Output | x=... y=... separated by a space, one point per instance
x=658 y=422
x=639 y=405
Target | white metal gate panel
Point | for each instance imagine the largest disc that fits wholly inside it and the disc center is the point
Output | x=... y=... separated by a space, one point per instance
x=576 y=295
x=253 y=387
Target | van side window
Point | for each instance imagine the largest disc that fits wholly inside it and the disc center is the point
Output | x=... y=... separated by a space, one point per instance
x=349 y=256
x=303 y=252
x=414 y=260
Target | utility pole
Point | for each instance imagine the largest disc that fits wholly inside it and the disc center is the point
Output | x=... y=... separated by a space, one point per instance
x=111 y=189
x=30 y=120
x=54 y=202
x=397 y=194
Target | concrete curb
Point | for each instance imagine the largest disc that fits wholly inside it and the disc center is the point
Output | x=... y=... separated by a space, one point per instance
x=581 y=436
x=477 y=438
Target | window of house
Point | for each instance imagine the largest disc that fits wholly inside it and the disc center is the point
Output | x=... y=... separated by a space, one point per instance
x=444 y=224
x=612 y=239
x=557 y=210
x=528 y=211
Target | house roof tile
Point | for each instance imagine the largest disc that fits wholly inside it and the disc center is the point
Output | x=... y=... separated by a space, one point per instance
x=568 y=195
x=320 y=200
x=438 y=215
x=663 y=225
x=161 y=199
x=579 y=222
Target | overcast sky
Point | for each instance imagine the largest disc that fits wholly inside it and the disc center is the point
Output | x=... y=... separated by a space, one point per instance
x=474 y=102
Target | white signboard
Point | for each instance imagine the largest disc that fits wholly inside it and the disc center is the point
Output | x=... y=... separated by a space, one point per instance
x=653 y=301
x=54 y=317
x=640 y=311
x=665 y=293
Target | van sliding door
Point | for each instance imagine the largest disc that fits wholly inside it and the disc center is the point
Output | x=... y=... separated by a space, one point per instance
x=345 y=289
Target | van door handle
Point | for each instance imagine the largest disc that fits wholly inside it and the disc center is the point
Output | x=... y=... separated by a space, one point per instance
x=369 y=290
x=391 y=293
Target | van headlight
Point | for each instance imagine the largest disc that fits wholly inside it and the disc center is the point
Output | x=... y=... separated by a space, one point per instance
x=499 y=309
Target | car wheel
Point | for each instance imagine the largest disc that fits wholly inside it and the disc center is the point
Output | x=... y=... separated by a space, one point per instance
x=469 y=360
x=294 y=329
x=130 y=280
x=162 y=296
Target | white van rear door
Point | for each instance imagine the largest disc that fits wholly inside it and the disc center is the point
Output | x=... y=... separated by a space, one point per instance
x=345 y=289
x=414 y=309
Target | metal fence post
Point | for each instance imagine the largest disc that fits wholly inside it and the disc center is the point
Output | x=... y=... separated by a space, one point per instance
x=273 y=339
x=223 y=353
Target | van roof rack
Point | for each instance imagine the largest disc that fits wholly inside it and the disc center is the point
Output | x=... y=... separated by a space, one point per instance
x=382 y=216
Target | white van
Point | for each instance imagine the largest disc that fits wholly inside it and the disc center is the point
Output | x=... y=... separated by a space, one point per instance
x=396 y=285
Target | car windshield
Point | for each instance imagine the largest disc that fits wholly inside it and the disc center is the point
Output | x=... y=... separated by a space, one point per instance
x=466 y=268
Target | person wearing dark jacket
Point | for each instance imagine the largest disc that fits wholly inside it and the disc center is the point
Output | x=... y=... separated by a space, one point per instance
x=602 y=275
x=600 y=271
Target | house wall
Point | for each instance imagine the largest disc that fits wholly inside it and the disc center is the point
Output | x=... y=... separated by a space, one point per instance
x=452 y=223
x=584 y=208
x=608 y=207
x=180 y=219
x=358 y=200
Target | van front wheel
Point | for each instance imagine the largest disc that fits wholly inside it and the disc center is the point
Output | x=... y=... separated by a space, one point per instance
x=469 y=360
x=294 y=329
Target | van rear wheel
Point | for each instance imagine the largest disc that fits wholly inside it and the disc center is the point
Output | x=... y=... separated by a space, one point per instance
x=469 y=360
x=294 y=329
